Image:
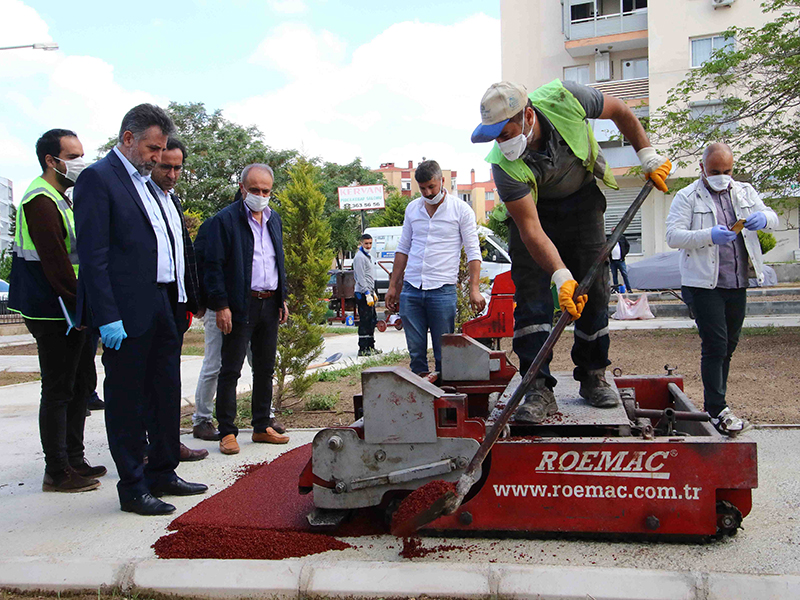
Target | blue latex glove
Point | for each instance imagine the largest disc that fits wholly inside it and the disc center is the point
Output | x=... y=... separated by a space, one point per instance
x=112 y=335
x=758 y=220
x=722 y=235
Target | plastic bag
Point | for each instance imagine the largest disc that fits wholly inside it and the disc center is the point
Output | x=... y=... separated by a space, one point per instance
x=632 y=309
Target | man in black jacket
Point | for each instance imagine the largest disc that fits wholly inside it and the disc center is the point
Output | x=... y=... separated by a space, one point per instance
x=618 y=254
x=245 y=284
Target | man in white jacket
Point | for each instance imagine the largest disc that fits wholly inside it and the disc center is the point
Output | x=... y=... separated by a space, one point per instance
x=715 y=265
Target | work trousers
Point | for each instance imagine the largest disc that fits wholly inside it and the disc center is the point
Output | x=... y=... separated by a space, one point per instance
x=142 y=392
x=423 y=310
x=576 y=227
x=719 y=314
x=367 y=318
x=617 y=267
x=66 y=363
x=261 y=332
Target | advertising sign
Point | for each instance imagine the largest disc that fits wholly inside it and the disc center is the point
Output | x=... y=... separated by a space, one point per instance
x=361 y=197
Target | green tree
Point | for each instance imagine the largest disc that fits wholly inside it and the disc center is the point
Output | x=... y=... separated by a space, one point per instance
x=393 y=214
x=498 y=221
x=5 y=264
x=345 y=232
x=752 y=91
x=306 y=243
x=218 y=151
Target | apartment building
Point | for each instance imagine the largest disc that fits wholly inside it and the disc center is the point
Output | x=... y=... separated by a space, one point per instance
x=480 y=195
x=6 y=211
x=636 y=50
x=402 y=178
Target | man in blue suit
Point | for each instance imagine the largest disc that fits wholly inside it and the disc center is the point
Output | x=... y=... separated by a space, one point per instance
x=132 y=287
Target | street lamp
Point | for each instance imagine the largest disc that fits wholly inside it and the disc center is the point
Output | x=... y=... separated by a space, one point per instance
x=47 y=46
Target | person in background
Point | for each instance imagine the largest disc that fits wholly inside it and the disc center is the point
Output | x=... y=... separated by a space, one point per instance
x=435 y=228
x=365 y=297
x=714 y=264
x=165 y=175
x=245 y=283
x=617 y=259
x=43 y=289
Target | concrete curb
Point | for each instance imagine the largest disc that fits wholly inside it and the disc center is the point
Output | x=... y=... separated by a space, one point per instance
x=295 y=578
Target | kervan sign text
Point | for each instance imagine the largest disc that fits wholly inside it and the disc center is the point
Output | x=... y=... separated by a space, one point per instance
x=361 y=197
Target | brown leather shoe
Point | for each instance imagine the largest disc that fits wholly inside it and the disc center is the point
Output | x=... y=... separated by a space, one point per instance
x=270 y=436
x=229 y=445
x=276 y=425
x=68 y=481
x=189 y=455
x=205 y=431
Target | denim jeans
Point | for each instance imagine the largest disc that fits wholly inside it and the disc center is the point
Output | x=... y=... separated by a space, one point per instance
x=423 y=310
x=619 y=265
x=719 y=314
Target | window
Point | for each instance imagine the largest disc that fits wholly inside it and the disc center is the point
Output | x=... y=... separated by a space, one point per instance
x=579 y=74
x=617 y=204
x=631 y=5
x=405 y=185
x=703 y=48
x=634 y=68
x=581 y=11
x=490 y=196
x=710 y=109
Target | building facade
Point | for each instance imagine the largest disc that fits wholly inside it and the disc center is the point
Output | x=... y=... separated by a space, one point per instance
x=636 y=50
x=480 y=195
x=402 y=178
x=6 y=214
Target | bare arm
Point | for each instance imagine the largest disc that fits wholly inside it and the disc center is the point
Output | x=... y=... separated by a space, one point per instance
x=476 y=299
x=396 y=281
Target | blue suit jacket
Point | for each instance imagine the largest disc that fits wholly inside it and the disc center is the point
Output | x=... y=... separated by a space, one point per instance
x=117 y=249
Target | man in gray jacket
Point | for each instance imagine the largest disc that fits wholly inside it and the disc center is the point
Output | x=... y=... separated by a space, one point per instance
x=365 y=297
x=704 y=222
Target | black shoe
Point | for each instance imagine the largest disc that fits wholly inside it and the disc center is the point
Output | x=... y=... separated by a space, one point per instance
x=539 y=403
x=147 y=506
x=206 y=431
x=596 y=390
x=88 y=412
x=276 y=425
x=86 y=470
x=178 y=487
x=68 y=481
x=95 y=403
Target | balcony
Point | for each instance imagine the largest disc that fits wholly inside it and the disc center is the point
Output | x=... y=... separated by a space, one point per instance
x=615 y=31
x=625 y=89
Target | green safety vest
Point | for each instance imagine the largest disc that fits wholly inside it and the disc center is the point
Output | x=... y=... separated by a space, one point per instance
x=567 y=115
x=23 y=244
x=30 y=294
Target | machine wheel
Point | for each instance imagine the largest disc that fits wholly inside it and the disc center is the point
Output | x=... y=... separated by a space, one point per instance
x=381 y=325
x=398 y=324
x=729 y=519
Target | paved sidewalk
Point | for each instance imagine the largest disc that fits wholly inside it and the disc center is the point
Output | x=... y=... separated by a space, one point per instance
x=83 y=541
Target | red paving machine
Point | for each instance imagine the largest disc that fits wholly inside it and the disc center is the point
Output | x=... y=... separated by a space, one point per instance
x=653 y=465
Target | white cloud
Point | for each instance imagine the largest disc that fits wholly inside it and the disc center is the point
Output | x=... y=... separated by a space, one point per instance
x=289 y=7
x=411 y=91
x=43 y=90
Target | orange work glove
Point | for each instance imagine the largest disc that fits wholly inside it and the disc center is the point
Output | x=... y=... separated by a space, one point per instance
x=566 y=286
x=655 y=167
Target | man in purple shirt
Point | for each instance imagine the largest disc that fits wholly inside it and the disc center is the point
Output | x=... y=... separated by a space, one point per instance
x=245 y=284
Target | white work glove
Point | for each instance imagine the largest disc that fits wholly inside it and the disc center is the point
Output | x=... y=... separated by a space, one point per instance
x=566 y=286
x=655 y=167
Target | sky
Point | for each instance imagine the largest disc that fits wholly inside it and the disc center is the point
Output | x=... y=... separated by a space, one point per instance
x=335 y=79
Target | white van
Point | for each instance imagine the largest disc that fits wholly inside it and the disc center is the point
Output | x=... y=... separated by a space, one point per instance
x=384 y=245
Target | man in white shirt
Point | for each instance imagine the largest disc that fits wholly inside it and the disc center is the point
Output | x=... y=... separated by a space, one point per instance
x=435 y=228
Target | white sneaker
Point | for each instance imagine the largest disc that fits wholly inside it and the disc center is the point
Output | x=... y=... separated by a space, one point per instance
x=728 y=423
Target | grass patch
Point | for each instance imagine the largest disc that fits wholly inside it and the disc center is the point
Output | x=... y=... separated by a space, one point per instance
x=354 y=368
x=339 y=330
x=12 y=378
x=322 y=401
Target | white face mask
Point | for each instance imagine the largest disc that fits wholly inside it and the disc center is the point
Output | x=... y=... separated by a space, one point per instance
x=719 y=183
x=437 y=198
x=256 y=203
x=74 y=168
x=515 y=147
